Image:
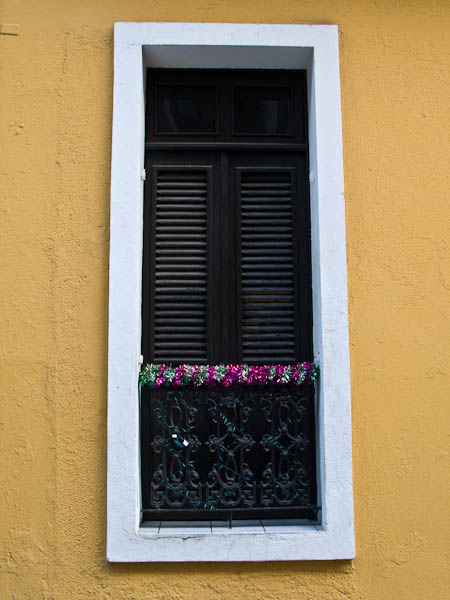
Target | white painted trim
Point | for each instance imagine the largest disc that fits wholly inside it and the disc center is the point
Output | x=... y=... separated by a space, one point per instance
x=137 y=45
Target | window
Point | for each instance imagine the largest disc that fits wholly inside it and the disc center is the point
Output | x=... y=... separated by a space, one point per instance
x=227 y=279
x=314 y=49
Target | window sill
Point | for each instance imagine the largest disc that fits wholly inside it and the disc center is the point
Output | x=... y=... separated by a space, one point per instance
x=214 y=542
x=260 y=527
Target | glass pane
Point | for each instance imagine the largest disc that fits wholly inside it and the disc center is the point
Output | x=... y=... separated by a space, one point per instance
x=262 y=110
x=184 y=109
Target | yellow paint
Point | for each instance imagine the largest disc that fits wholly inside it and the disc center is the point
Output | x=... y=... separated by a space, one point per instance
x=55 y=123
x=9 y=28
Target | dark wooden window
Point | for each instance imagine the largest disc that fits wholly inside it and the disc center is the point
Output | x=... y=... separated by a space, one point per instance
x=227 y=279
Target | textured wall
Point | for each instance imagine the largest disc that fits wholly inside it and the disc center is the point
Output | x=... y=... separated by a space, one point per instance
x=55 y=124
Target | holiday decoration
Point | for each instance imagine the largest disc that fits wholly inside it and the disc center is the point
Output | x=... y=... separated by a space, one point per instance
x=162 y=375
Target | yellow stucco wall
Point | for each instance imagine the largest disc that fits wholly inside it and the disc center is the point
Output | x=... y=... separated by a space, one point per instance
x=55 y=124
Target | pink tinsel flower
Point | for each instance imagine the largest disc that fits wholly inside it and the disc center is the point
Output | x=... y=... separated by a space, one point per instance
x=211 y=377
x=279 y=370
x=233 y=375
x=307 y=367
x=227 y=380
x=194 y=372
x=159 y=382
x=295 y=375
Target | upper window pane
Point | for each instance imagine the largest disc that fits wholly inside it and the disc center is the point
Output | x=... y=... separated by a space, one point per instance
x=186 y=109
x=262 y=111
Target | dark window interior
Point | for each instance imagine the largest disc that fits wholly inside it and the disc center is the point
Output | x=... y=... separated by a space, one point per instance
x=182 y=109
x=265 y=111
x=231 y=107
x=227 y=279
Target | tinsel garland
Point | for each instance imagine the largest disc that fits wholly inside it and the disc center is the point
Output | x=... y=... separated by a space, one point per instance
x=162 y=375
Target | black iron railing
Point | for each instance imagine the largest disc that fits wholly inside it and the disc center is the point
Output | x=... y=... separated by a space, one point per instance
x=229 y=453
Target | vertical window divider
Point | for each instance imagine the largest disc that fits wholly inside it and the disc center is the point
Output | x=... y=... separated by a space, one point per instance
x=238 y=270
x=211 y=336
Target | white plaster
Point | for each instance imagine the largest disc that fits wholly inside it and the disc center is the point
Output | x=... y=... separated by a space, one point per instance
x=221 y=45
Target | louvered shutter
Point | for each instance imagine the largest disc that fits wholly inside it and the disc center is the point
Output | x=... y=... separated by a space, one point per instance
x=180 y=212
x=267 y=267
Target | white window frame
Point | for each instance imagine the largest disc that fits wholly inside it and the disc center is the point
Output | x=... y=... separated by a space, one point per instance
x=223 y=45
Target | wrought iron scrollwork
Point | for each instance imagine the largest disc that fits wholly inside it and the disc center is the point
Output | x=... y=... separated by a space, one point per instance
x=237 y=448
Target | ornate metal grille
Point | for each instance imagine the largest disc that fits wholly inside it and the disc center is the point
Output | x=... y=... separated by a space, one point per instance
x=227 y=453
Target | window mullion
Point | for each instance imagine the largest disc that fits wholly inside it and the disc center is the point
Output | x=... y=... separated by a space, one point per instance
x=216 y=301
